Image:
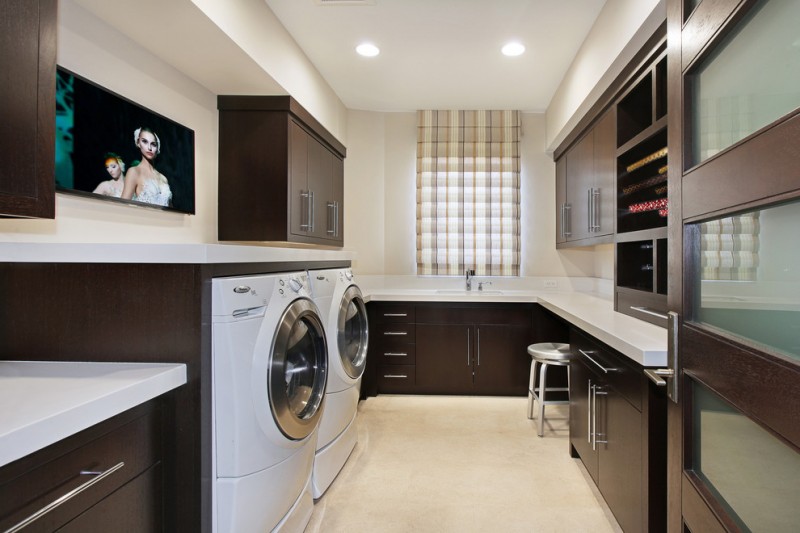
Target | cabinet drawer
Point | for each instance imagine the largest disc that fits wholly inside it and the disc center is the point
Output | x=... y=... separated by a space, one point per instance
x=393 y=312
x=397 y=333
x=395 y=353
x=32 y=483
x=613 y=368
x=490 y=314
x=396 y=378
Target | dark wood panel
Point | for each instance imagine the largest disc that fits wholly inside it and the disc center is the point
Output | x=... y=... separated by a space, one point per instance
x=730 y=374
x=28 y=105
x=396 y=353
x=397 y=379
x=737 y=176
x=605 y=170
x=474 y=313
x=707 y=20
x=396 y=333
x=390 y=312
x=579 y=413
x=444 y=359
x=696 y=511
x=501 y=360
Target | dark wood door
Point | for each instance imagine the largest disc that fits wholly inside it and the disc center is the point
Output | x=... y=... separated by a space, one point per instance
x=501 y=361
x=562 y=207
x=336 y=232
x=580 y=410
x=734 y=436
x=320 y=175
x=580 y=170
x=619 y=436
x=444 y=359
x=605 y=171
x=300 y=199
x=28 y=107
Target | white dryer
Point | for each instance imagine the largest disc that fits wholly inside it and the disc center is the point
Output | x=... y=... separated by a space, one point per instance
x=270 y=366
x=345 y=318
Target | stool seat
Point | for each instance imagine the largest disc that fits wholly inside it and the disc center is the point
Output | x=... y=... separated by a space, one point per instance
x=550 y=351
x=545 y=354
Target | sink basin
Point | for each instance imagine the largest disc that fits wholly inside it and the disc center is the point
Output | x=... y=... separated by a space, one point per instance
x=473 y=292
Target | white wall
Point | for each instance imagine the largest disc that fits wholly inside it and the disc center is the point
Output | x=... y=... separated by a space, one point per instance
x=621 y=30
x=394 y=213
x=90 y=48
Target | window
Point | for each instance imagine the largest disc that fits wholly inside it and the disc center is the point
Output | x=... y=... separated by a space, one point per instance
x=468 y=192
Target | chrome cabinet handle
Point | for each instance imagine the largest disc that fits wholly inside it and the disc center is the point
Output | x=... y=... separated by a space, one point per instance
x=395 y=314
x=595 y=209
x=395 y=333
x=311 y=209
x=568 y=219
x=479 y=346
x=66 y=497
x=331 y=206
x=598 y=391
x=589 y=208
x=468 y=350
x=395 y=376
x=655 y=375
x=395 y=354
x=589 y=413
x=598 y=365
x=649 y=311
x=336 y=219
x=563 y=220
x=307 y=225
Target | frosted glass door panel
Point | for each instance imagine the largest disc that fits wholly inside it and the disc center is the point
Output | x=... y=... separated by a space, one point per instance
x=751 y=79
x=749 y=276
x=753 y=475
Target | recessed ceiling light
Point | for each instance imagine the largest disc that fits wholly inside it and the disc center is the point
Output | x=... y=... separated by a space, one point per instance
x=513 y=49
x=368 y=50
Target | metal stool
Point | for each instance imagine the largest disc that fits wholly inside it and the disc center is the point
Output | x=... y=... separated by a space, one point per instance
x=546 y=354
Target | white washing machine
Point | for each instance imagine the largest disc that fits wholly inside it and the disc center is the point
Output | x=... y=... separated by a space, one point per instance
x=270 y=367
x=345 y=318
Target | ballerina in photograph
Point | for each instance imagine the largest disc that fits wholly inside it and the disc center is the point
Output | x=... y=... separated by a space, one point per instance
x=115 y=167
x=143 y=183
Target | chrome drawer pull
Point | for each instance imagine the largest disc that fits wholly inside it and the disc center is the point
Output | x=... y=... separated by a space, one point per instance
x=395 y=333
x=66 y=497
x=647 y=311
x=395 y=314
x=397 y=354
x=598 y=365
x=395 y=376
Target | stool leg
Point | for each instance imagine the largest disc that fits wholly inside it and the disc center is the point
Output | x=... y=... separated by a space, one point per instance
x=531 y=385
x=542 y=392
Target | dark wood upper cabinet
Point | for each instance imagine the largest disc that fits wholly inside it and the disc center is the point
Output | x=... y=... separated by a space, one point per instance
x=28 y=107
x=281 y=174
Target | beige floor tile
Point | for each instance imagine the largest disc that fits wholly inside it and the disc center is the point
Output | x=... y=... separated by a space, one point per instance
x=460 y=464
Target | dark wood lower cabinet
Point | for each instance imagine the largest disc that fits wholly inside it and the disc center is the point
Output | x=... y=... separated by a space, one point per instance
x=617 y=429
x=455 y=348
x=130 y=498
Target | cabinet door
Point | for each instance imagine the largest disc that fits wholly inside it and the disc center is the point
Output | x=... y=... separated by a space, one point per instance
x=28 y=105
x=562 y=208
x=605 y=167
x=620 y=425
x=580 y=169
x=501 y=360
x=300 y=210
x=444 y=359
x=320 y=171
x=336 y=233
x=580 y=412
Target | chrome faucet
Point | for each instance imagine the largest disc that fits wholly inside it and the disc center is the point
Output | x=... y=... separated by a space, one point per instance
x=469 y=273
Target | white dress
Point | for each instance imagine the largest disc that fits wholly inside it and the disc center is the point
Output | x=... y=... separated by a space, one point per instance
x=154 y=192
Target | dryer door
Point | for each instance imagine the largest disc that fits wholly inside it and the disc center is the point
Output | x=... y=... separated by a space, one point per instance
x=353 y=332
x=298 y=370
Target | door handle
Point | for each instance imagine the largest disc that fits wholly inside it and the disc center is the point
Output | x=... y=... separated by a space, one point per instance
x=469 y=362
x=568 y=220
x=331 y=206
x=589 y=205
x=589 y=413
x=668 y=377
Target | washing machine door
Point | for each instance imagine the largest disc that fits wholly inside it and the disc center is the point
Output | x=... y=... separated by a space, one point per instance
x=298 y=370
x=353 y=332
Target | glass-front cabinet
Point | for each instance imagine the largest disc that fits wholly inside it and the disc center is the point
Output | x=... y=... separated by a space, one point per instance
x=734 y=265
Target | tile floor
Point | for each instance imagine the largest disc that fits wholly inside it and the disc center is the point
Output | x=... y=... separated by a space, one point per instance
x=460 y=464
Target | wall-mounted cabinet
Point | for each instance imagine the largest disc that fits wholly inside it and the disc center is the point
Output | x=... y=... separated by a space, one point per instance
x=280 y=173
x=28 y=107
x=585 y=187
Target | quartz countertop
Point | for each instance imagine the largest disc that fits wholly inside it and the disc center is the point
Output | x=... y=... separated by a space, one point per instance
x=46 y=401
x=592 y=312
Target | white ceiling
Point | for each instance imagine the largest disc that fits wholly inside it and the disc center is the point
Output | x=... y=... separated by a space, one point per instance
x=440 y=54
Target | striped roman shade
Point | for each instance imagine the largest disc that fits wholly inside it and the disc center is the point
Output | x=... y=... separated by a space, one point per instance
x=468 y=192
x=729 y=248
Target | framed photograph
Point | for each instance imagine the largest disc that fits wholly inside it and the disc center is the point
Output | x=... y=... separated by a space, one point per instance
x=112 y=149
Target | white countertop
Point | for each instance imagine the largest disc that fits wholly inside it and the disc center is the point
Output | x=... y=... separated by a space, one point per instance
x=594 y=313
x=26 y=252
x=44 y=402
